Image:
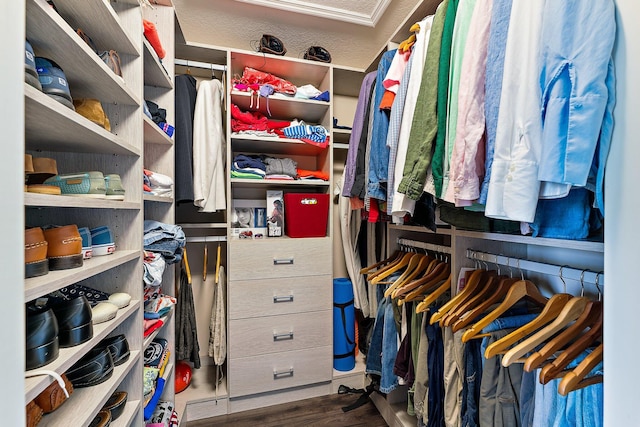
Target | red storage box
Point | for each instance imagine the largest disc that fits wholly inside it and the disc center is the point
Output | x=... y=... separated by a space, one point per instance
x=306 y=214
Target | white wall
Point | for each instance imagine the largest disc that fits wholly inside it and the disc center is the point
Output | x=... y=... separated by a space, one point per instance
x=12 y=18
x=622 y=243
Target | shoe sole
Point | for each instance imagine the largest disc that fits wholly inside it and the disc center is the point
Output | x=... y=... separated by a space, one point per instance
x=36 y=268
x=101 y=250
x=33 y=81
x=87 y=253
x=65 y=262
x=61 y=99
x=44 y=189
x=116 y=197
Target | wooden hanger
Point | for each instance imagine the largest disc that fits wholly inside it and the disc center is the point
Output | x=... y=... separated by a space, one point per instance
x=433 y=296
x=575 y=379
x=518 y=291
x=485 y=288
x=471 y=283
x=417 y=264
x=185 y=262
x=570 y=312
x=375 y=266
x=440 y=272
x=387 y=266
x=205 y=261
x=472 y=279
x=423 y=269
x=395 y=266
x=555 y=368
x=586 y=319
x=552 y=308
x=218 y=261
x=497 y=296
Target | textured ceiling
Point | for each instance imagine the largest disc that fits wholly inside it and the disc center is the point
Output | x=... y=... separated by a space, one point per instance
x=239 y=24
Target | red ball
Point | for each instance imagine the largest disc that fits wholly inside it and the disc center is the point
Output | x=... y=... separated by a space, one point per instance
x=183 y=376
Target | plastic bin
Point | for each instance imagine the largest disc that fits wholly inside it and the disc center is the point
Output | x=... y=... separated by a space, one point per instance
x=307 y=214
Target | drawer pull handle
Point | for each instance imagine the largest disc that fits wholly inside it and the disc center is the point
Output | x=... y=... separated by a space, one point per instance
x=277 y=299
x=283 y=337
x=282 y=374
x=283 y=261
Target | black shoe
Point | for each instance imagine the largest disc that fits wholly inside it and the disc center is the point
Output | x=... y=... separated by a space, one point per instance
x=74 y=320
x=118 y=347
x=115 y=404
x=42 y=337
x=94 y=368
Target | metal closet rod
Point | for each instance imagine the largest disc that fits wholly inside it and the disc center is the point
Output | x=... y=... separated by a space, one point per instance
x=424 y=245
x=563 y=271
x=198 y=64
x=206 y=239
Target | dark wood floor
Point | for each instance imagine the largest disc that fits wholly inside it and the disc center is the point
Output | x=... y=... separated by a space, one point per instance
x=316 y=412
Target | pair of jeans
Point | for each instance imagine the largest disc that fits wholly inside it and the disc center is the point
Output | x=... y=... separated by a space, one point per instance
x=471 y=384
x=436 y=382
x=166 y=239
x=500 y=390
x=453 y=369
x=383 y=347
x=580 y=408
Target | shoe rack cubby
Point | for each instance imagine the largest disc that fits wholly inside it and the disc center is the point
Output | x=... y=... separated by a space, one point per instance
x=77 y=144
x=159 y=157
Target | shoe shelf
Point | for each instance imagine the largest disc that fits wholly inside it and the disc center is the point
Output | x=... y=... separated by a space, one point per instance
x=155 y=333
x=252 y=183
x=131 y=408
x=68 y=356
x=273 y=145
x=311 y=111
x=52 y=127
x=89 y=400
x=63 y=201
x=35 y=287
x=110 y=34
x=155 y=74
x=153 y=134
x=87 y=75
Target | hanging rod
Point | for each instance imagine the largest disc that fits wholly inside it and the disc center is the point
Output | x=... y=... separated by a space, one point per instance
x=571 y=273
x=198 y=64
x=206 y=239
x=424 y=245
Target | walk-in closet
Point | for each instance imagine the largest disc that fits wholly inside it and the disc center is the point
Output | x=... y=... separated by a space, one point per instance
x=231 y=210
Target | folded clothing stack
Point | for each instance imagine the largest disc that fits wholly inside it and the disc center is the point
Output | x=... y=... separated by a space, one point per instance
x=165 y=239
x=157 y=184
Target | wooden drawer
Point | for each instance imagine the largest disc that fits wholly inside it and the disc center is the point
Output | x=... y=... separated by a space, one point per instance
x=277 y=371
x=254 y=298
x=262 y=335
x=279 y=257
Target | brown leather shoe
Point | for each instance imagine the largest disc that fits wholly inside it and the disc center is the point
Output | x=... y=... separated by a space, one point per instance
x=65 y=247
x=103 y=419
x=35 y=253
x=53 y=396
x=43 y=168
x=34 y=414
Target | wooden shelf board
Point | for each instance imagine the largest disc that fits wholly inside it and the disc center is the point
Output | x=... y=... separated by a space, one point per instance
x=131 y=409
x=154 y=72
x=68 y=356
x=54 y=127
x=158 y=199
x=241 y=182
x=153 y=134
x=252 y=144
x=42 y=285
x=88 y=401
x=583 y=245
x=64 y=201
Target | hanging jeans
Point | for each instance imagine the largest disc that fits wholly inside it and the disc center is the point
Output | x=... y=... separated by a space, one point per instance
x=471 y=384
x=500 y=390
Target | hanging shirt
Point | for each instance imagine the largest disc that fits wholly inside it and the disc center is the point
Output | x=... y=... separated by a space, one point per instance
x=467 y=159
x=460 y=33
x=500 y=15
x=574 y=89
x=208 y=148
x=514 y=186
x=401 y=203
